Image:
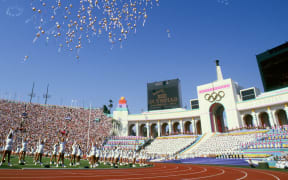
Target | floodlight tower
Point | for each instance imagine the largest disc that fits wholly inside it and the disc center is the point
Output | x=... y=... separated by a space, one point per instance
x=46 y=96
x=32 y=94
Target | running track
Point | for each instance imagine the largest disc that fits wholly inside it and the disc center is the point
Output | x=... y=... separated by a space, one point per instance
x=159 y=171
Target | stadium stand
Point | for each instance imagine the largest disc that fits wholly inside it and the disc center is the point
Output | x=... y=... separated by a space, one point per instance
x=126 y=142
x=272 y=143
x=221 y=144
x=48 y=121
x=169 y=145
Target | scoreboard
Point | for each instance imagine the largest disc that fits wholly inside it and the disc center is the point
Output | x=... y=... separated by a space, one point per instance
x=164 y=95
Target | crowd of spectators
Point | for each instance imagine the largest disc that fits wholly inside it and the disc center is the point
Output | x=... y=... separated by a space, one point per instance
x=275 y=138
x=51 y=121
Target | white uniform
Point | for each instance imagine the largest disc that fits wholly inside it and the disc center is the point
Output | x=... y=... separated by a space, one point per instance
x=55 y=149
x=130 y=155
x=108 y=154
x=40 y=148
x=79 y=152
x=97 y=153
x=116 y=153
x=74 y=149
x=32 y=150
x=101 y=154
x=134 y=154
x=24 y=146
x=62 y=147
x=105 y=154
x=9 y=143
x=18 y=149
x=93 y=150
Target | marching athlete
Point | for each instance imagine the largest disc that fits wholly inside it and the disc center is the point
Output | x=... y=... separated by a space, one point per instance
x=17 y=152
x=54 y=153
x=40 y=151
x=92 y=154
x=73 y=154
x=61 y=154
x=134 y=155
x=97 y=156
x=8 y=147
x=79 y=154
x=116 y=155
x=23 y=150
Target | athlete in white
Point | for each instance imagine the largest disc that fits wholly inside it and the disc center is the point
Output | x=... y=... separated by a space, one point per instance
x=8 y=147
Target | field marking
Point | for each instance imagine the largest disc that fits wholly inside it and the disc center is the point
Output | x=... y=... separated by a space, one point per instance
x=276 y=177
x=101 y=175
x=218 y=174
x=165 y=176
x=246 y=174
x=162 y=171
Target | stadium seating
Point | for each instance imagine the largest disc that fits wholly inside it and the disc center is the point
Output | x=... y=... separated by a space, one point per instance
x=169 y=145
x=219 y=144
x=274 y=142
x=126 y=142
x=48 y=121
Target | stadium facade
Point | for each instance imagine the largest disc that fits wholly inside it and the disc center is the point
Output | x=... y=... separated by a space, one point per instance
x=221 y=106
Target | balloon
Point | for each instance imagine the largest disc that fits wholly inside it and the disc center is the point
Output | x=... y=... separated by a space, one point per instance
x=69 y=20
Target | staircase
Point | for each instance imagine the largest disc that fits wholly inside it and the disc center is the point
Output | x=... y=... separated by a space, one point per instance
x=202 y=140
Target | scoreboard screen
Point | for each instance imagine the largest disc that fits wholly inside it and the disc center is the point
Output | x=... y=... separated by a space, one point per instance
x=164 y=95
x=273 y=67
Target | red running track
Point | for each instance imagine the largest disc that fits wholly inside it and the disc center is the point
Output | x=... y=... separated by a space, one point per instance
x=159 y=171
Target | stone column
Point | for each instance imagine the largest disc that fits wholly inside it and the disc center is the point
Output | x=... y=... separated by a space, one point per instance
x=192 y=126
x=170 y=128
x=254 y=116
x=270 y=115
x=148 y=129
x=242 y=124
x=159 y=128
x=181 y=126
x=286 y=110
x=137 y=128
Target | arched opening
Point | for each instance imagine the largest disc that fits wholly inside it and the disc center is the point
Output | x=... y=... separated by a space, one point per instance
x=198 y=127
x=154 y=130
x=165 y=129
x=143 y=130
x=264 y=118
x=217 y=118
x=282 y=117
x=187 y=127
x=248 y=120
x=132 y=130
x=176 y=128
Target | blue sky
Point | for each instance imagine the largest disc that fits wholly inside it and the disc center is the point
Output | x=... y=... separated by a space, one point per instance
x=201 y=31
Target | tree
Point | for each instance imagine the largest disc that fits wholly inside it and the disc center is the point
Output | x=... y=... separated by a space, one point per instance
x=106 y=110
x=110 y=104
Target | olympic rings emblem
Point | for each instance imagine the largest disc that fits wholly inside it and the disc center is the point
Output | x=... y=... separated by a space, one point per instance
x=215 y=96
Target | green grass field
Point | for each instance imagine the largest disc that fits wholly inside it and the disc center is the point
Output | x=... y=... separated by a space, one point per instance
x=46 y=160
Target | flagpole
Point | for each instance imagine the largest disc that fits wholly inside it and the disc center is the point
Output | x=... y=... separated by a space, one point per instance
x=89 y=127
